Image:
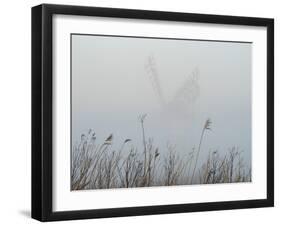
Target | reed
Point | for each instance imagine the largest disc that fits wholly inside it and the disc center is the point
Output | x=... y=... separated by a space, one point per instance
x=100 y=166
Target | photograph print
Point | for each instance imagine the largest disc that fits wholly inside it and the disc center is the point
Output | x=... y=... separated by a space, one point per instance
x=159 y=112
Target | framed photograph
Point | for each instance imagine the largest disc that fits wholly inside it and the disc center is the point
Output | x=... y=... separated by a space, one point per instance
x=140 y=112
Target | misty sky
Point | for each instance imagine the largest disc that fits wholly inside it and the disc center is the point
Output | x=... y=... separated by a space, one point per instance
x=112 y=84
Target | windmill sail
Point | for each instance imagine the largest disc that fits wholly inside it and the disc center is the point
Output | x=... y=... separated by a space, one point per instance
x=154 y=78
x=190 y=90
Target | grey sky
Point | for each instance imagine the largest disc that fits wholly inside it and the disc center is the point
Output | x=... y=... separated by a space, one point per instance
x=111 y=88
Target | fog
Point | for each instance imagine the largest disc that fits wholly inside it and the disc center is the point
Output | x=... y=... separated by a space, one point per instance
x=179 y=84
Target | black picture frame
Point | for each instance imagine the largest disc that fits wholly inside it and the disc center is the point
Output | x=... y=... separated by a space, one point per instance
x=42 y=106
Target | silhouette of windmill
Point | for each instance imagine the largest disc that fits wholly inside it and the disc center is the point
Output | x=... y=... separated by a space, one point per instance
x=184 y=97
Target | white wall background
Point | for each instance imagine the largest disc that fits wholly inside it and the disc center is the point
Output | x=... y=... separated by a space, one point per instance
x=15 y=119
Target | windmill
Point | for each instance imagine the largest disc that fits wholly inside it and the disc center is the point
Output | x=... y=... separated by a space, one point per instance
x=184 y=97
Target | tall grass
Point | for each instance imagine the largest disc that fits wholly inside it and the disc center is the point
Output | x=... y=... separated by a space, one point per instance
x=207 y=126
x=100 y=166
